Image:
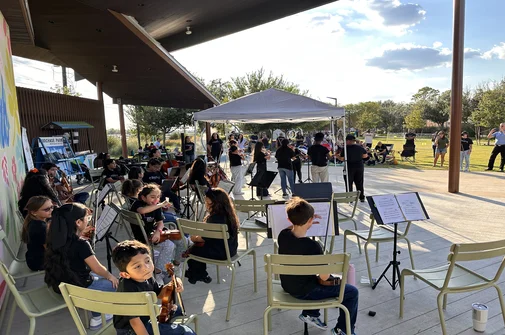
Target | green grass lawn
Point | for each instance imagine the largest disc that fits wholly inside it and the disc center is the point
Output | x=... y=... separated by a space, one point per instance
x=424 y=156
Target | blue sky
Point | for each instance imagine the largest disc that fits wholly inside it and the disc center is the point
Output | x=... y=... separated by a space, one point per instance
x=354 y=50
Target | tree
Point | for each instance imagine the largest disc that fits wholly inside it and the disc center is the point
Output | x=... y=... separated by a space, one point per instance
x=433 y=105
x=415 y=119
x=140 y=116
x=368 y=115
x=491 y=108
x=166 y=120
x=66 y=90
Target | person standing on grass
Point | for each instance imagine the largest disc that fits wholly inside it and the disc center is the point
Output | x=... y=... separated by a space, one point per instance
x=368 y=138
x=499 y=146
x=466 y=150
x=442 y=144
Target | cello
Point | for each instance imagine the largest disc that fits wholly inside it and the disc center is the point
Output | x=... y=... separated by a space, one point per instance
x=168 y=300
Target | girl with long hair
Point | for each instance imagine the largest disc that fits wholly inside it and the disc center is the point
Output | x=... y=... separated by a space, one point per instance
x=442 y=144
x=198 y=173
x=39 y=210
x=148 y=205
x=36 y=183
x=130 y=190
x=260 y=157
x=242 y=142
x=136 y=172
x=70 y=258
x=221 y=211
x=215 y=147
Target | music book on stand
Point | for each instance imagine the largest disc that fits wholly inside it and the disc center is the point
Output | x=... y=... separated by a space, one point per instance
x=396 y=208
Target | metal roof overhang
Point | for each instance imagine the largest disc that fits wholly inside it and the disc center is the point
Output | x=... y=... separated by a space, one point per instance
x=64 y=125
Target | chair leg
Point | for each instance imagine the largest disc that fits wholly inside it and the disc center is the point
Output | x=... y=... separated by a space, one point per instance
x=11 y=316
x=402 y=293
x=253 y=253
x=218 y=277
x=326 y=315
x=246 y=240
x=410 y=253
x=5 y=305
x=368 y=264
x=267 y=321
x=377 y=251
x=32 y=326
x=502 y=303
x=347 y=319
x=440 y=299
x=345 y=242
x=445 y=302
x=231 y=292
x=359 y=244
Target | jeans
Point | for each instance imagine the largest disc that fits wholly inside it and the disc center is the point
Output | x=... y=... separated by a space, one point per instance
x=100 y=284
x=188 y=158
x=165 y=328
x=170 y=217
x=323 y=292
x=81 y=197
x=285 y=173
x=319 y=174
x=464 y=157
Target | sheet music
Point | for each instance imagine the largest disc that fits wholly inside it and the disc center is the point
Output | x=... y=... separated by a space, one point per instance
x=278 y=219
x=388 y=208
x=411 y=207
x=103 y=193
x=105 y=220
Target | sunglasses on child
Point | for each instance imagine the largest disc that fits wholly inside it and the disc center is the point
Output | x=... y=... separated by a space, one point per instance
x=48 y=209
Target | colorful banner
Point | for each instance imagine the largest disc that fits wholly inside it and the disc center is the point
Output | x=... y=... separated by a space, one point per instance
x=12 y=168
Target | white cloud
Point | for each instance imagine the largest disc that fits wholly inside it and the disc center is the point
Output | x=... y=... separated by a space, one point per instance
x=437 y=44
x=498 y=51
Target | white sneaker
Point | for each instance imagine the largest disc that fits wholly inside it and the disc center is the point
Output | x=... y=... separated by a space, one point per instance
x=313 y=321
x=96 y=321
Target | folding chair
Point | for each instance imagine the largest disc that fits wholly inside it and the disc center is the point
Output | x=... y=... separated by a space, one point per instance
x=249 y=225
x=226 y=185
x=128 y=303
x=350 y=198
x=455 y=278
x=34 y=303
x=135 y=219
x=409 y=153
x=378 y=235
x=303 y=265
x=390 y=157
x=219 y=232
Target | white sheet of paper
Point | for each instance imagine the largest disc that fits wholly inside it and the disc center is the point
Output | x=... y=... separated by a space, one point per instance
x=411 y=207
x=388 y=208
x=278 y=219
x=103 y=223
x=103 y=193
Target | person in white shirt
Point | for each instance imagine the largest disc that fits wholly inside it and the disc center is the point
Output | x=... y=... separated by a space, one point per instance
x=368 y=138
x=157 y=144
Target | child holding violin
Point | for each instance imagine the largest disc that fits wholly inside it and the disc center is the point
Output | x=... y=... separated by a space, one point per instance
x=149 y=207
x=136 y=268
x=39 y=209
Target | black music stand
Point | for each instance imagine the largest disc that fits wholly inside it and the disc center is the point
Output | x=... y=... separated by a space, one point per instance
x=262 y=180
x=250 y=170
x=308 y=173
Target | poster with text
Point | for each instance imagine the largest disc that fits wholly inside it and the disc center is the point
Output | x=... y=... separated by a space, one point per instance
x=12 y=169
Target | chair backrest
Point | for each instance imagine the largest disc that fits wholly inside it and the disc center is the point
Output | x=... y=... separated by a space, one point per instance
x=306 y=265
x=3 y=238
x=345 y=198
x=226 y=185
x=131 y=303
x=389 y=147
x=95 y=172
x=11 y=284
x=205 y=230
x=247 y=206
x=464 y=252
x=134 y=219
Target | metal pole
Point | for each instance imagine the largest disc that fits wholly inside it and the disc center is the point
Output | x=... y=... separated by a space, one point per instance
x=122 y=128
x=456 y=93
x=346 y=180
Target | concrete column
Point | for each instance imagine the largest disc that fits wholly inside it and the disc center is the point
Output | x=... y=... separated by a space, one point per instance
x=122 y=128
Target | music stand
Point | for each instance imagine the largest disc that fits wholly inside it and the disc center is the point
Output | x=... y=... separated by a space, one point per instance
x=308 y=172
x=250 y=170
x=102 y=229
x=262 y=180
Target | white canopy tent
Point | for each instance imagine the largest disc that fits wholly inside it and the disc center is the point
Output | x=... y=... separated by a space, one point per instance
x=271 y=106
x=274 y=106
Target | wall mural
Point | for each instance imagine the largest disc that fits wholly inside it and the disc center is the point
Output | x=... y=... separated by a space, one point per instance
x=12 y=170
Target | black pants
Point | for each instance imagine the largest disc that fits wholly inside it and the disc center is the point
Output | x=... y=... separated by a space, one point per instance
x=174 y=199
x=261 y=168
x=198 y=270
x=498 y=149
x=357 y=176
x=383 y=155
x=297 y=167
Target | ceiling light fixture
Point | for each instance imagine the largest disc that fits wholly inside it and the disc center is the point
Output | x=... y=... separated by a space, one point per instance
x=188 y=30
x=114 y=69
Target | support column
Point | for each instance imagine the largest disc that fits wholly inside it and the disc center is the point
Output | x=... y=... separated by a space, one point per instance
x=207 y=130
x=122 y=128
x=99 y=90
x=456 y=94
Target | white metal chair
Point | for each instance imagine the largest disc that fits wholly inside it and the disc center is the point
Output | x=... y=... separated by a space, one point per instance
x=217 y=231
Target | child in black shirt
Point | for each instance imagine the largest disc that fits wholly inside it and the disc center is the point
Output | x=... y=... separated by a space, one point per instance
x=293 y=241
x=154 y=175
x=149 y=207
x=110 y=172
x=136 y=271
x=39 y=209
x=130 y=191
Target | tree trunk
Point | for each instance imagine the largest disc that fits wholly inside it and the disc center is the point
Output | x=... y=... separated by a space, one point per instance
x=138 y=135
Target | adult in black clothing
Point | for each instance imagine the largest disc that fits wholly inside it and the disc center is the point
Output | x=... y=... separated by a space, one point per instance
x=260 y=157
x=215 y=147
x=237 y=174
x=284 y=156
x=297 y=164
x=319 y=156
x=39 y=209
x=356 y=174
x=36 y=183
x=381 y=150
x=294 y=241
x=189 y=150
x=198 y=173
x=299 y=139
x=253 y=139
x=221 y=211
x=154 y=175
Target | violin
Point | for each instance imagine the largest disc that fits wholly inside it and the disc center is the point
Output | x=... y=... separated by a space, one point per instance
x=168 y=304
x=172 y=235
x=64 y=189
